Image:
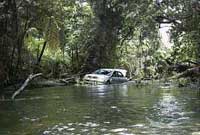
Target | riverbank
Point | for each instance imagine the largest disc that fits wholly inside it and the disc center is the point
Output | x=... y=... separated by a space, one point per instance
x=37 y=83
x=7 y=92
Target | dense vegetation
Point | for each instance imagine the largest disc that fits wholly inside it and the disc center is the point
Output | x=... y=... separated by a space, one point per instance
x=78 y=36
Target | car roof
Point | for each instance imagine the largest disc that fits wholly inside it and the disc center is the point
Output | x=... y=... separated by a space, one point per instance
x=123 y=71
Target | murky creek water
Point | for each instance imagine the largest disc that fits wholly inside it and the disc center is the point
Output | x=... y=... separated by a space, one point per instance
x=105 y=109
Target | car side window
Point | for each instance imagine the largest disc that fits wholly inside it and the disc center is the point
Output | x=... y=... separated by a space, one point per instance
x=120 y=74
x=114 y=74
x=117 y=74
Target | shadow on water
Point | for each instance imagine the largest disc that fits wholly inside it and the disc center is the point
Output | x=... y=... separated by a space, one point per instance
x=102 y=109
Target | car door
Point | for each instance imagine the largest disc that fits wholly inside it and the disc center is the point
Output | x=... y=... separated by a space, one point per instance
x=117 y=77
x=114 y=77
x=120 y=77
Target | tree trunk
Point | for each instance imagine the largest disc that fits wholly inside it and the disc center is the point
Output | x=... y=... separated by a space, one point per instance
x=41 y=53
x=8 y=38
x=101 y=49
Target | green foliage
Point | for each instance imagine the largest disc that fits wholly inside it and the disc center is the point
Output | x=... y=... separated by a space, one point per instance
x=52 y=33
x=85 y=35
x=185 y=19
x=66 y=28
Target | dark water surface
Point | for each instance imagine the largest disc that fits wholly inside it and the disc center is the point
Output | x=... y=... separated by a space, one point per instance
x=113 y=109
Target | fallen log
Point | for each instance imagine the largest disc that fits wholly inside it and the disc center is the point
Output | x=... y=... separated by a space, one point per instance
x=68 y=76
x=68 y=80
x=191 y=72
x=30 y=77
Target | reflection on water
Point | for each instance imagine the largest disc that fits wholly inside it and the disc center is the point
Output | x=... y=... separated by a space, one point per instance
x=168 y=109
x=102 y=109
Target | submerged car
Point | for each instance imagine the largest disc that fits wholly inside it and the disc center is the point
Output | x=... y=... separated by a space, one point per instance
x=106 y=76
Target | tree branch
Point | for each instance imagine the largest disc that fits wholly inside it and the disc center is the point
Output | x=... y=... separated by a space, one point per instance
x=166 y=20
x=30 y=77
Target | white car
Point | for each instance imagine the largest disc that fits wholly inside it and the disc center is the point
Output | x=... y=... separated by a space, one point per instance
x=106 y=76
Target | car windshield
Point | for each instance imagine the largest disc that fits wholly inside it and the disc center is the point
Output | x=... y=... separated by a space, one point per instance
x=102 y=72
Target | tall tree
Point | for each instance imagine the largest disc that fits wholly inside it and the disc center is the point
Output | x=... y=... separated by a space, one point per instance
x=8 y=34
x=101 y=48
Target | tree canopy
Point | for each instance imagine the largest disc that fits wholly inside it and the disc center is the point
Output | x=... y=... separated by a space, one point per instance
x=73 y=36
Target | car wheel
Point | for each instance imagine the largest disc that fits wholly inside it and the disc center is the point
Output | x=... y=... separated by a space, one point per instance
x=108 y=82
